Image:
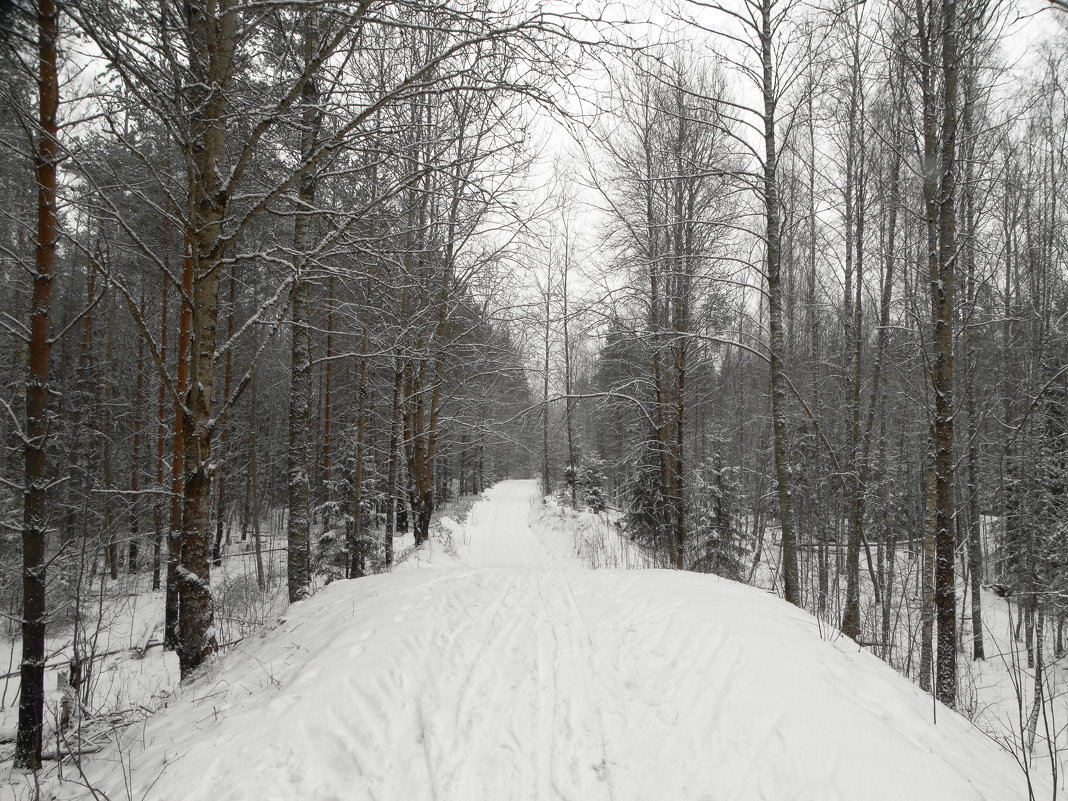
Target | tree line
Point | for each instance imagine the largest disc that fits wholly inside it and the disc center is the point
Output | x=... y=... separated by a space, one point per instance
x=268 y=261
x=255 y=256
x=824 y=340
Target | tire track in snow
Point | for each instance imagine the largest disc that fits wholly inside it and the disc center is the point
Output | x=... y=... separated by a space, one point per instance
x=468 y=660
x=582 y=670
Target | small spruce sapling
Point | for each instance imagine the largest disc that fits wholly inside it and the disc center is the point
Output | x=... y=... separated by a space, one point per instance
x=718 y=544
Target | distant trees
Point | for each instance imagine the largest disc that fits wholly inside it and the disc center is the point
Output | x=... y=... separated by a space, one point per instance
x=669 y=201
x=1033 y=359
x=263 y=295
x=886 y=249
x=332 y=103
x=770 y=48
x=306 y=196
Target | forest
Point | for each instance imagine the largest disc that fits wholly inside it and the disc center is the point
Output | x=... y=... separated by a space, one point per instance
x=777 y=289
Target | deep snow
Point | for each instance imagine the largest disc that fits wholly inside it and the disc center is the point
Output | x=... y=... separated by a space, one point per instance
x=494 y=666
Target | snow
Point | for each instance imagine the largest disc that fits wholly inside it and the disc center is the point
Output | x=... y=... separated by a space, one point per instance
x=494 y=665
x=125 y=674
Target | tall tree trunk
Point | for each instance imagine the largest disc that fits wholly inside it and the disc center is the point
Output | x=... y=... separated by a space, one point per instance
x=328 y=399
x=35 y=512
x=224 y=437
x=815 y=346
x=942 y=307
x=84 y=461
x=569 y=402
x=975 y=554
x=212 y=33
x=425 y=377
x=939 y=196
x=135 y=455
x=298 y=457
x=161 y=416
x=773 y=257
x=174 y=534
x=252 y=492
x=854 y=339
x=299 y=454
x=546 y=480
x=393 y=468
x=862 y=439
x=1038 y=700
x=927 y=578
x=683 y=223
x=357 y=557
x=104 y=426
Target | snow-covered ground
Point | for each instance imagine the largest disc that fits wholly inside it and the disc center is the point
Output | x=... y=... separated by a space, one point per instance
x=996 y=694
x=494 y=665
x=121 y=633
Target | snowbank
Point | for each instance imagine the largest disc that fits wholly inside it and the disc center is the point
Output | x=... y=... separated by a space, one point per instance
x=537 y=679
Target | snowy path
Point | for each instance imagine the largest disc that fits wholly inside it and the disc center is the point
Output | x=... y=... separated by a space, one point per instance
x=500 y=530
x=506 y=672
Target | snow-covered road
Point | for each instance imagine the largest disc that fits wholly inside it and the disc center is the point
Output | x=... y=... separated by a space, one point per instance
x=504 y=671
x=500 y=533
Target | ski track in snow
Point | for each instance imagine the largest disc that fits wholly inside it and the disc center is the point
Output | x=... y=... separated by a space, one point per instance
x=507 y=672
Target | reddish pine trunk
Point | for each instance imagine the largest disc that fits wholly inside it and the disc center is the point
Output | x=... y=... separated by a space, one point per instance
x=35 y=501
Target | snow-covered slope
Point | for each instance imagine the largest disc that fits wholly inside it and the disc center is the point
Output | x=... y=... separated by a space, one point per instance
x=500 y=670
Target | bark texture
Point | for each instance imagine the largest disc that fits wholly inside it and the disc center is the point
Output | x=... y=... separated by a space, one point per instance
x=28 y=736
